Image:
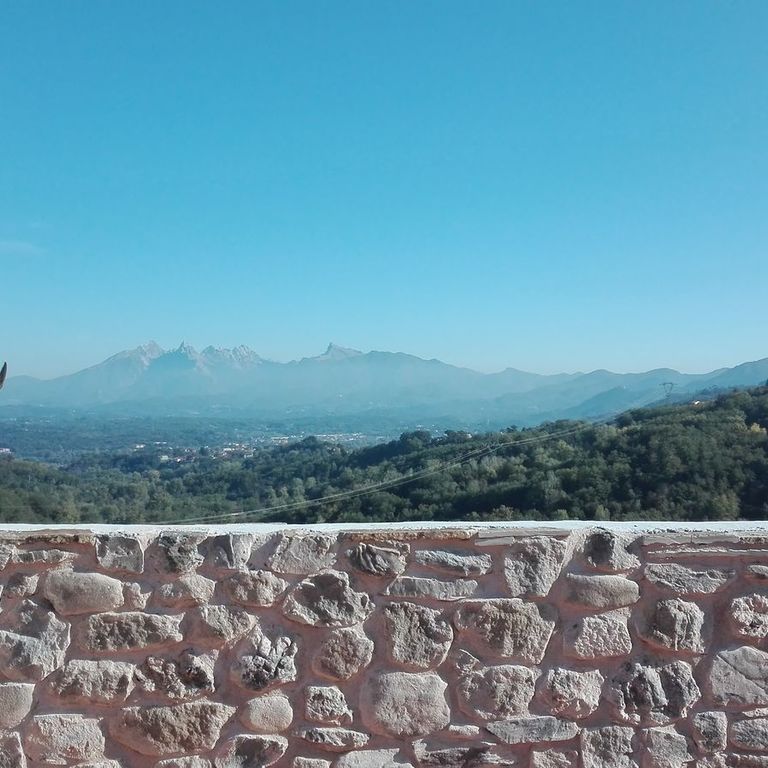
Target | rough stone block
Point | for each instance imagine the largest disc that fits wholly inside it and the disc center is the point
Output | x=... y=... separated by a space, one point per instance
x=601 y=593
x=218 y=624
x=20 y=585
x=334 y=739
x=674 y=624
x=749 y=616
x=327 y=600
x=465 y=563
x=61 y=739
x=416 y=636
x=603 y=635
x=38 y=645
x=607 y=746
x=188 y=676
x=231 y=551
x=180 y=552
x=532 y=729
x=533 y=564
x=437 y=589
x=494 y=692
x=681 y=580
x=384 y=561
x=120 y=553
x=160 y=731
x=246 y=751
x=653 y=695
x=342 y=654
x=102 y=682
x=665 y=748
x=110 y=632
x=313 y=762
x=253 y=588
x=75 y=593
x=750 y=734
x=367 y=758
x=477 y=753
x=271 y=713
x=193 y=761
x=710 y=731
x=571 y=693
x=609 y=551
x=554 y=758
x=405 y=704
x=15 y=703
x=265 y=662
x=303 y=554
x=11 y=751
x=187 y=591
x=513 y=629
x=739 y=677
x=326 y=704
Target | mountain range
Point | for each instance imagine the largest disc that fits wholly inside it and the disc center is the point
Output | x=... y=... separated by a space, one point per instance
x=183 y=381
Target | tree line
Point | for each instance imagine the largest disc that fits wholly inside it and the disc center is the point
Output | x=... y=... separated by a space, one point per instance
x=699 y=461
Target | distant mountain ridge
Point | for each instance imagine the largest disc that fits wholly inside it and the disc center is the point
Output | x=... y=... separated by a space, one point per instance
x=149 y=380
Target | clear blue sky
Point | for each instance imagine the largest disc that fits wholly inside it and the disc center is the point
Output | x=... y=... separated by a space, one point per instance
x=547 y=185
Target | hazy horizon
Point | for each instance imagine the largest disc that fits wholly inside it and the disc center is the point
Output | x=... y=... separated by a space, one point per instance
x=168 y=347
x=551 y=187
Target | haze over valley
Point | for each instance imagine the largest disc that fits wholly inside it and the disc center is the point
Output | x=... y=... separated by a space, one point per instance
x=234 y=400
x=149 y=380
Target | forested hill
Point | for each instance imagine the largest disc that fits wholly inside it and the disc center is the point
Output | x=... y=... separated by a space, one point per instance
x=702 y=461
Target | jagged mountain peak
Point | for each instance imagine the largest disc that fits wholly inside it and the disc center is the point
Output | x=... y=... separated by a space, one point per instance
x=144 y=353
x=186 y=349
x=337 y=352
x=240 y=355
x=346 y=381
x=151 y=349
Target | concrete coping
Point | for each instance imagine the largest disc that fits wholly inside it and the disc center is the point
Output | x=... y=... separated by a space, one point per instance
x=482 y=529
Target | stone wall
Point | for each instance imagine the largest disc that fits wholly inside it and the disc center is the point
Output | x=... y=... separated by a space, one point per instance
x=382 y=648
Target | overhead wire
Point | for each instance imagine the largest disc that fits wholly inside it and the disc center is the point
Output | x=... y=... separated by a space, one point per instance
x=384 y=485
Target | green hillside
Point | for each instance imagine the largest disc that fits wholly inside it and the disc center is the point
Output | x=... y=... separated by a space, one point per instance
x=700 y=461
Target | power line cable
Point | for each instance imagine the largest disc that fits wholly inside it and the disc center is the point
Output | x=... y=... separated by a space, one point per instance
x=387 y=484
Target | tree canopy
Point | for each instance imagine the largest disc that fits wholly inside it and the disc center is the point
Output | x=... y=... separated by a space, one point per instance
x=702 y=461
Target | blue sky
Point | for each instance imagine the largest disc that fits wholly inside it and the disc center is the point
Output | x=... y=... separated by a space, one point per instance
x=550 y=186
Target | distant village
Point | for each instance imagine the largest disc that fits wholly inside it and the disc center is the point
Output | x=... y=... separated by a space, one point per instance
x=167 y=453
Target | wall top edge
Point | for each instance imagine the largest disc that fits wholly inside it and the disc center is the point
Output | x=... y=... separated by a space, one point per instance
x=517 y=528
